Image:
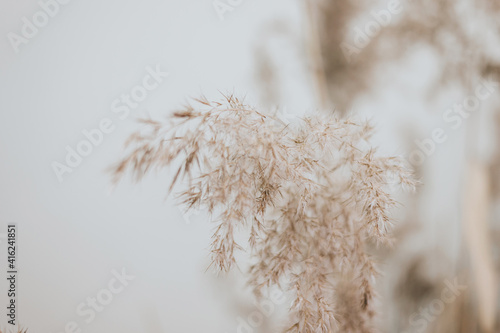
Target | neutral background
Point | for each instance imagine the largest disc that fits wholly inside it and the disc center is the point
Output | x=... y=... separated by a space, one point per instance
x=72 y=234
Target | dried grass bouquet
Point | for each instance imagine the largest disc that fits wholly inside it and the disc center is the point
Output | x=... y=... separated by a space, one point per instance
x=310 y=197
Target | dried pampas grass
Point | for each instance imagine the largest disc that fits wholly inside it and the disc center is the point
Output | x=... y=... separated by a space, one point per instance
x=310 y=197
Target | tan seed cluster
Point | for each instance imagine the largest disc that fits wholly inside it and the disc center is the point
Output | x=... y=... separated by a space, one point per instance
x=310 y=198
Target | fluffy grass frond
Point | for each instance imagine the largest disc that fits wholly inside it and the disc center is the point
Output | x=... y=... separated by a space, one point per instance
x=310 y=197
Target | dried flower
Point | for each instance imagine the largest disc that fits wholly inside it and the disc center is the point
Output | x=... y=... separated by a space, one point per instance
x=310 y=198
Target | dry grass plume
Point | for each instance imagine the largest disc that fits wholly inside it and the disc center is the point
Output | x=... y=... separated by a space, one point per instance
x=310 y=197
